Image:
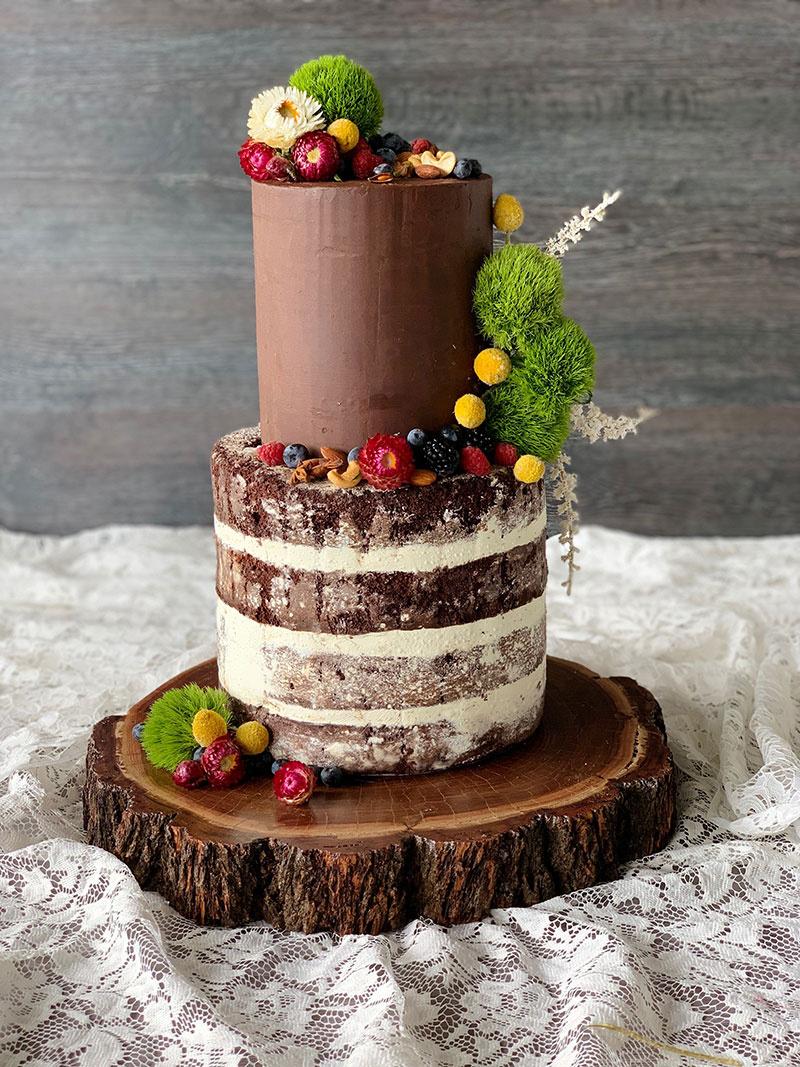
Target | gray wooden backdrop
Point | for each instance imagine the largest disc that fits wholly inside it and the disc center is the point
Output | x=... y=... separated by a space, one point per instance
x=126 y=305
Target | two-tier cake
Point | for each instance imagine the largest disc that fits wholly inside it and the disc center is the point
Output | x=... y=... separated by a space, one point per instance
x=381 y=536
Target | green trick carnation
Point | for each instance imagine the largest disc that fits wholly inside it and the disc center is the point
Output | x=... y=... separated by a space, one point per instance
x=518 y=292
x=167 y=737
x=516 y=413
x=558 y=363
x=345 y=89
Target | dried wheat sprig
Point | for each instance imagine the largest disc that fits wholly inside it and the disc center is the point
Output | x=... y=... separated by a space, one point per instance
x=562 y=486
x=596 y=425
x=574 y=228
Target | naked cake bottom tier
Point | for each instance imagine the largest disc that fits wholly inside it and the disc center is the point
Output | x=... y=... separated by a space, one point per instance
x=381 y=632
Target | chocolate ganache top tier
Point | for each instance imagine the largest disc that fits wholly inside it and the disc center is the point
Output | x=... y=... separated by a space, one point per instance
x=364 y=304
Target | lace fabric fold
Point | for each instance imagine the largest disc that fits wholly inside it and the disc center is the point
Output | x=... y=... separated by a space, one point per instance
x=697 y=947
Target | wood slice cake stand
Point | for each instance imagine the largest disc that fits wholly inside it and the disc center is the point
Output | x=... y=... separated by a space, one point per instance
x=593 y=788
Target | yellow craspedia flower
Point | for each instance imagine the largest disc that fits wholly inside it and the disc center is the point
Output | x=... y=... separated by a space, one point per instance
x=508 y=213
x=528 y=469
x=470 y=411
x=345 y=133
x=492 y=366
x=252 y=738
x=207 y=726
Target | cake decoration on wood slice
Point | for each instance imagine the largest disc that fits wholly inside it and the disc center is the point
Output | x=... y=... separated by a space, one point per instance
x=593 y=789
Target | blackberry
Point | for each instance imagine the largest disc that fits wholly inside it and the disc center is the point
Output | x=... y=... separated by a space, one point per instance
x=480 y=438
x=395 y=143
x=440 y=456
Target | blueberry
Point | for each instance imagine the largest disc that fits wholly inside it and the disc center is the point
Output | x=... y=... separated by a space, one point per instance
x=387 y=155
x=463 y=169
x=276 y=765
x=477 y=169
x=260 y=764
x=332 y=776
x=137 y=731
x=352 y=455
x=293 y=455
x=383 y=168
x=197 y=754
x=376 y=141
x=450 y=434
x=416 y=438
x=396 y=143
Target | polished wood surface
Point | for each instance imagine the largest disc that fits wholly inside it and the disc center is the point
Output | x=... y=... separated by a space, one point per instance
x=592 y=788
x=126 y=288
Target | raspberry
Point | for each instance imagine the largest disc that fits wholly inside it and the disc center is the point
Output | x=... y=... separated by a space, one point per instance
x=441 y=456
x=386 y=462
x=506 y=455
x=363 y=162
x=271 y=453
x=422 y=144
x=473 y=461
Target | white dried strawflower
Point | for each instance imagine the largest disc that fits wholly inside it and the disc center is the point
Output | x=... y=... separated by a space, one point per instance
x=279 y=116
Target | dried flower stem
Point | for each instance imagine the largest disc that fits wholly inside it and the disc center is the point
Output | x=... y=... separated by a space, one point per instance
x=574 y=228
x=595 y=425
x=562 y=486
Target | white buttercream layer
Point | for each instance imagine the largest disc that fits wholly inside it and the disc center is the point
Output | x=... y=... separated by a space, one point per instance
x=472 y=716
x=491 y=539
x=244 y=642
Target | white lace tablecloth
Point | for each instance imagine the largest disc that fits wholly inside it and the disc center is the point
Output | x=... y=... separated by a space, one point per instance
x=698 y=947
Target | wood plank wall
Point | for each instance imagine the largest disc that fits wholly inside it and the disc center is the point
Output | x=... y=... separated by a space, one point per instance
x=126 y=306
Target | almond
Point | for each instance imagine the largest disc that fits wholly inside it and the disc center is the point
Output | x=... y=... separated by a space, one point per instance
x=334 y=457
x=423 y=171
x=423 y=477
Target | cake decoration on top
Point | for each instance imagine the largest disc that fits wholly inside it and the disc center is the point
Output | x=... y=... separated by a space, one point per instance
x=536 y=374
